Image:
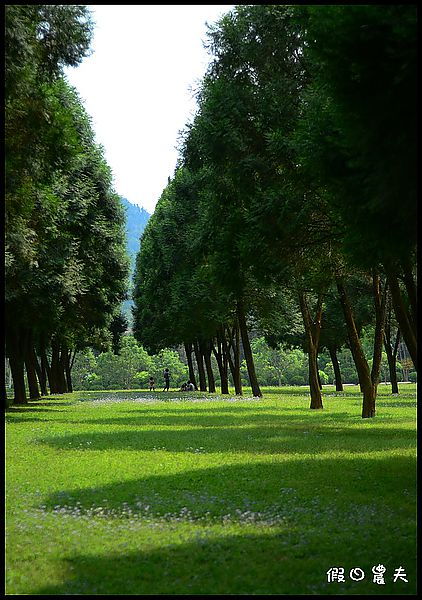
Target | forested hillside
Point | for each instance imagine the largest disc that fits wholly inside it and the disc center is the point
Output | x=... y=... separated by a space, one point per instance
x=136 y=220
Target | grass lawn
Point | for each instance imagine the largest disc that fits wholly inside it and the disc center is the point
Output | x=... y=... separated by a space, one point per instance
x=139 y=493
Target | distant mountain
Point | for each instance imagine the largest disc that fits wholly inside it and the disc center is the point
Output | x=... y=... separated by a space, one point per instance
x=136 y=220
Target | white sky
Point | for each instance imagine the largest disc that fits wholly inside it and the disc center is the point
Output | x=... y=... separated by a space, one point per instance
x=137 y=88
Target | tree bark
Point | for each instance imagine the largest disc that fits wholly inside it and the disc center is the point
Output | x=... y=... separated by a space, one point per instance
x=42 y=376
x=411 y=289
x=222 y=363
x=403 y=317
x=232 y=342
x=45 y=367
x=336 y=367
x=62 y=368
x=391 y=353
x=67 y=368
x=256 y=391
x=318 y=375
x=380 y=303
x=189 y=350
x=206 y=351
x=6 y=401
x=235 y=343
x=312 y=331
x=31 y=373
x=15 y=354
x=367 y=388
x=54 y=386
x=200 y=365
x=391 y=349
x=58 y=379
x=18 y=377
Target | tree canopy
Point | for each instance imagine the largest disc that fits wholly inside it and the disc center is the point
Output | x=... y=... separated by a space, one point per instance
x=66 y=262
x=298 y=162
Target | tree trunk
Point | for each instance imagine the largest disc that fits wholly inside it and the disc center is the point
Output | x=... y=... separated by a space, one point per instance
x=58 y=380
x=318 y=375
x=380 y=303
x=189 y=350
x=336 y=367
x=62 y=368
x=206 y=350
x=222 y=363
x=31 y=373
x=392 y=358
x=54 y=386
x=403 y=317
x=6 y=401
x=312 y=331
x=390 y=349
x=248 y=351
x=200 y=365
x=45 y=367
x=42 y=376
x=68 y=369
x=18 y=377
x=410 y=285
x=362 y=367
x=233 y=342
x=237 y=376
x=14 y=350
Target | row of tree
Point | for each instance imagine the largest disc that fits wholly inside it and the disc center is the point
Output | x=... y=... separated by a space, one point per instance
x=294 y=197
x=66 y=260
x=132 y=367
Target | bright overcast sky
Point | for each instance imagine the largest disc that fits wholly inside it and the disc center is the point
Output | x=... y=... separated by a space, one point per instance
x=137 y=88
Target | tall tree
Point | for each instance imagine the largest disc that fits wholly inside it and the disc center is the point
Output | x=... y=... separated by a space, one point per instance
x=360 y=116
x=66 y=262
x=39 y=140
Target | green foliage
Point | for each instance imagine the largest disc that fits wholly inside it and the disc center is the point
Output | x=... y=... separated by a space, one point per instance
x=66 y=262
x=360 y=116
x=118 y=327
x=170 y=359
x=130 y=369
x=280 y=171
x=175 y=299
x=276 y=367
x=39 y=41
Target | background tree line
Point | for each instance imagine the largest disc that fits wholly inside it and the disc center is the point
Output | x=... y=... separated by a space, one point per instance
x=293 y=205
x=132 y=367
x=66 y=260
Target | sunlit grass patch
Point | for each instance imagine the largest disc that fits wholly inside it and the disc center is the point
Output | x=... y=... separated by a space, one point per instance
x=132 y=493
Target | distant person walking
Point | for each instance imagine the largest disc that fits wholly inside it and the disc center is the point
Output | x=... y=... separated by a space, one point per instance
x=151 y=384
x=166 y=380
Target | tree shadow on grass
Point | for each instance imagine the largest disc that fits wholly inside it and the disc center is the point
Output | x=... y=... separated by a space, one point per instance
x=33 y=409
x=304 y=533
x=31 y=414
x=225 y=565
x=302 y=488
x=233 y=412
x=277 y=435
x=315 y=514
